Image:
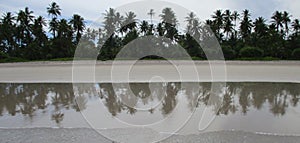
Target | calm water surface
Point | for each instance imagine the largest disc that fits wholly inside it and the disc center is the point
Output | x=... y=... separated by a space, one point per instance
x=254 y=107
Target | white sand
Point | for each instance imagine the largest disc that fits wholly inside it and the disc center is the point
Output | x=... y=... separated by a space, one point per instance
x=274 y=71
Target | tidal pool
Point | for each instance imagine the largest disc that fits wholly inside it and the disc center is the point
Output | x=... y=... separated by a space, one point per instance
x=246 y=106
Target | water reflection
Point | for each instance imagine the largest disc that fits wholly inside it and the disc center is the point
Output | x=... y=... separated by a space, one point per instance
x=28 y=99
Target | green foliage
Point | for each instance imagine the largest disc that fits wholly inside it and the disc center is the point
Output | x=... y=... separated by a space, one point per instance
x=296 y=54
x=251 y=52
x=3 y=55
x=259 y=59
x=228 y=52
x=12 y=60
x=23 y=35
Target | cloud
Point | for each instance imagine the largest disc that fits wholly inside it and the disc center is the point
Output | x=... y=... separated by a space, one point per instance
x=93 y=9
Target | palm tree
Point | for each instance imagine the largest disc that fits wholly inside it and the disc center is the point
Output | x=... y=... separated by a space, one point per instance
x=78 y=25
x=129 y=22
x=246 y=25
x=228 y=26
x=8 y=33
x=169 y=22
x=235 y=17
x=112 y=20
x=151 y=13
x=260 y=26
x=168 y=16
x=277 y=20
x=286 y=20
x=24 y=20
x=53 y=25
x=190 y=19
x=218 y=21
x=144 y=26
x=53 y=10
x=296 y=26
x=35 y=49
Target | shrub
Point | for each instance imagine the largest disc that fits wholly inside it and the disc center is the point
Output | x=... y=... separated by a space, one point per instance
x=3 y=55
x=251 y=52
x=228 y=52
x=296 y=54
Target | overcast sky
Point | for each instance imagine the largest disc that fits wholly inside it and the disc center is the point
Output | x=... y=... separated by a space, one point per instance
x=92 y=9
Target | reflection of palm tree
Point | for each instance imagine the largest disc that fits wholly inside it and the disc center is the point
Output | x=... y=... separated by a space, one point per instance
x=57 y=116
x=169 y=101
x=80 y=103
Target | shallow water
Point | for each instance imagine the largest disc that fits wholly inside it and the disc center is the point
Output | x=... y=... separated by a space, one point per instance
x=163 y=107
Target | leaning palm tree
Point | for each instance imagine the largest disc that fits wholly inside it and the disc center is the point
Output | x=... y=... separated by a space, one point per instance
x=151 y=13
x=77 y=23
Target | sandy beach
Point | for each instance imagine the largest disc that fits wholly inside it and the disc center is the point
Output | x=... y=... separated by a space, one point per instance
x=144 y=71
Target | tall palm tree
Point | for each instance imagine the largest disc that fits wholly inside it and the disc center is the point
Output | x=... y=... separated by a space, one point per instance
x=112 y=21
x=228 y=26
x=260 y=26
x=286 y=20
x=109 y=21
x=190 y=19
x=168 y=16
x=151 y=13
x=218 y=21
x=277 y=20
x=53 y=25
x=246 y=25
x=25 y=19
x=8 y=28
x=53 y=10
x=129 y=22
x=78 y=25
x=235 y=17
x=169 y=22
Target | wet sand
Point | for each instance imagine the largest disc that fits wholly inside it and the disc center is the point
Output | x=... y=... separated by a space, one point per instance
x=144 y=71
x=80 y=135
x=61 y=72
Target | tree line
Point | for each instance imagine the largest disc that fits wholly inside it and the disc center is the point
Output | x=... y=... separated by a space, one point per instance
x=29 y=37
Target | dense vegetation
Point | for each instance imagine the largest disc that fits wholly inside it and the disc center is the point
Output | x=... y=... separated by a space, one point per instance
x=27 y=37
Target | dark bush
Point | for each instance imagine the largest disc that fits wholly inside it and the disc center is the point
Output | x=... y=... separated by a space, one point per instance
x=251 y=52
x=3 y=55
x=296 y=54
x=228 y=52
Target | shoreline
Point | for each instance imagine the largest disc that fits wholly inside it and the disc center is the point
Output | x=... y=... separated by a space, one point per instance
x=68 y=135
